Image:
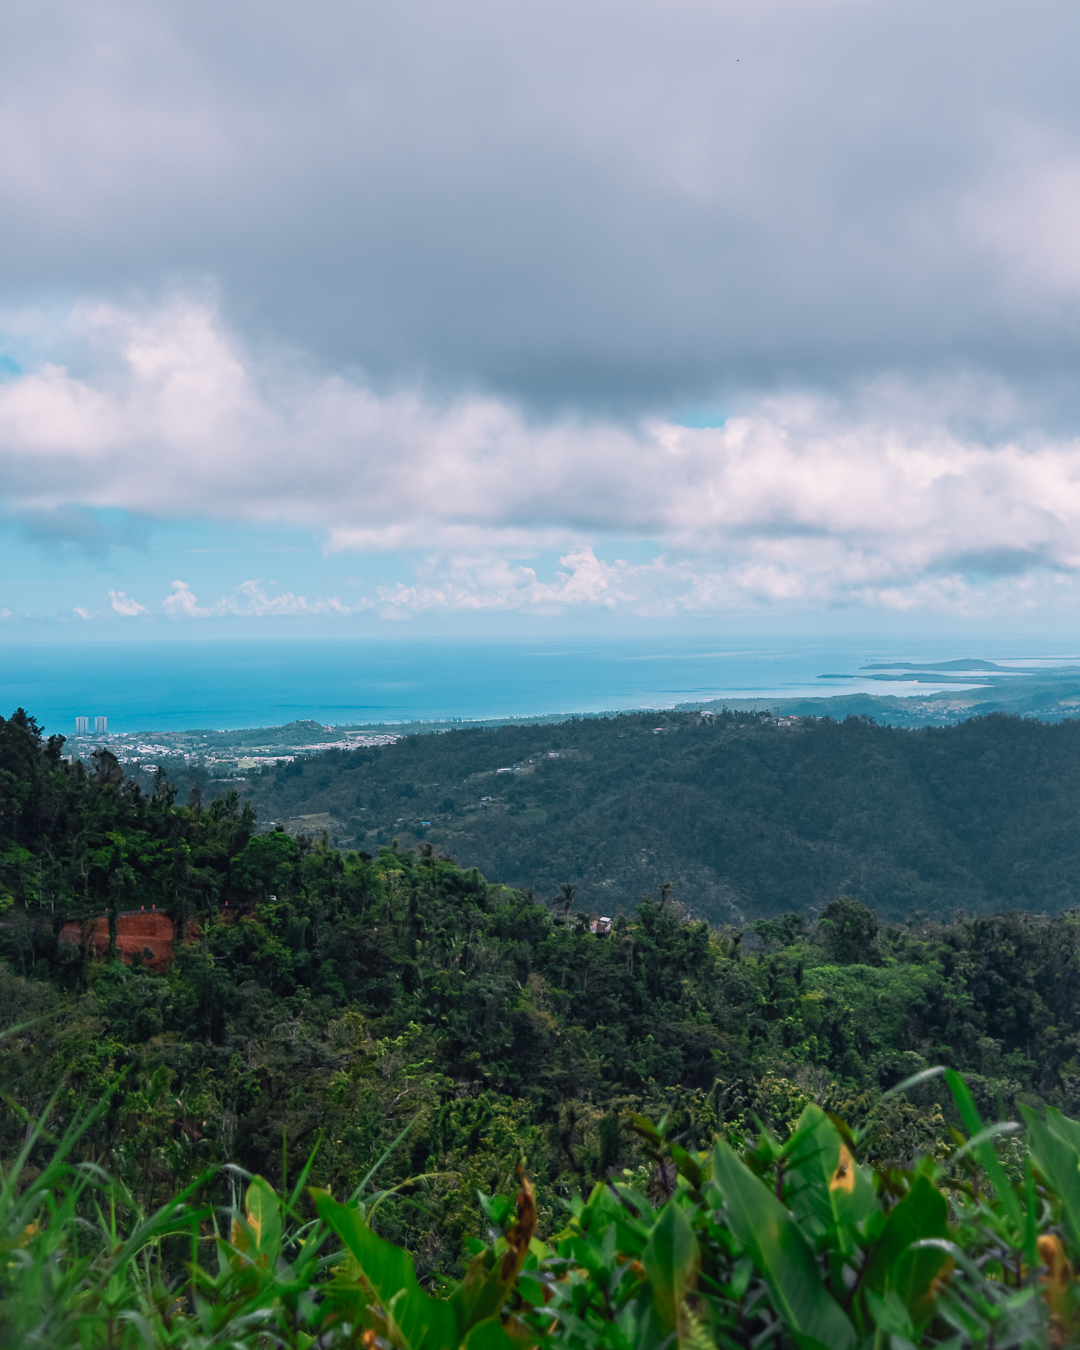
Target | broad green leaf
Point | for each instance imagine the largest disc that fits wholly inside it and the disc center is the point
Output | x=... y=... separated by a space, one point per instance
x=893 y=1265
x=670 y=1259
x=890 y=1315
x=263 y=1217
x=1060 y=1165
x=828 y=1184
x=1064 y=1128
x=592 y=1256
x=781 y=1253
x=415 y=1320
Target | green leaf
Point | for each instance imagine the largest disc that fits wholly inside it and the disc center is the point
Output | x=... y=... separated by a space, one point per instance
x=890 y=1314
x=688 y=1166
x=263 y=1222
x=830 y=1187
x=984 y=1152
x=415 y=1320
x=670 y=1259
x=491 y=1335
x=1066 y=1129
x=781 y=1253
x=1059 y=1163
x=999 y=1129
x=893 y=1266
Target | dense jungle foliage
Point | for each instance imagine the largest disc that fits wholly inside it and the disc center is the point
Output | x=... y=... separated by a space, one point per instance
x=749 y=819
x=338 y=999
x=752 y=1244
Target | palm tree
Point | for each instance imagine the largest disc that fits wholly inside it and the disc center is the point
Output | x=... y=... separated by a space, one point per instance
x=566 y=898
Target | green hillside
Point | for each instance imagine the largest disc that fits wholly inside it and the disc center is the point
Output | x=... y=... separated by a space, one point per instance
x=399 y=1012
x=747 y=818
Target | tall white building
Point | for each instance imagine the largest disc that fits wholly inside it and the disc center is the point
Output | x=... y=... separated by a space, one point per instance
x=101 y=725
x=82 y=726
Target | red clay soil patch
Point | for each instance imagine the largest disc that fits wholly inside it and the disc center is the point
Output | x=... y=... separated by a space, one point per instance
x=148 y=932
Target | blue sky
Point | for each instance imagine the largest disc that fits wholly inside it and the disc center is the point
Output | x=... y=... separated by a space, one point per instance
x=116 y=580
x=475 y=318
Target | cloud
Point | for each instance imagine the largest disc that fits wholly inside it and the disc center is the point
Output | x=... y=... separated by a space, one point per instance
x=123 y=604
x=181 y=603
x=613 y=205
x=671 y=586
x=494 y=583
x=257 y=603
x=439 y=280
x=800 y=498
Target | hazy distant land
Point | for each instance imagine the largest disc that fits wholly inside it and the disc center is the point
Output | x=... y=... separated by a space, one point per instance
x=979 y=687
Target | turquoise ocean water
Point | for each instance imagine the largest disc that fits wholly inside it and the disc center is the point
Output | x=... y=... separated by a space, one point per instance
x=174 y=685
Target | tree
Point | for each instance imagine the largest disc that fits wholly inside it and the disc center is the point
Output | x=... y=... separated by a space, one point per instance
x=266 y=865
x=849 y=930
x=565 y=898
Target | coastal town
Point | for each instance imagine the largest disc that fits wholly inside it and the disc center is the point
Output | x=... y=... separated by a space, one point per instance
x=222 y=754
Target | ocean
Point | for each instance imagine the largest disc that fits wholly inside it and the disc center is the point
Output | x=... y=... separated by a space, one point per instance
x=179 y=685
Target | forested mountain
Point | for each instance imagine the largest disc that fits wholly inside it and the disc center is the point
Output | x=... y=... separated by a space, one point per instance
x=747 y=817
x=336 y=1000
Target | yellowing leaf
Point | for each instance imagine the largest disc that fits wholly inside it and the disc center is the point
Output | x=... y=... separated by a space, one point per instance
x=843 y=1179
x=259 y=1232
x=1058 y=1279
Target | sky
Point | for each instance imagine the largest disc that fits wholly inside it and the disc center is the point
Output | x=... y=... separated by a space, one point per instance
x=405 y=316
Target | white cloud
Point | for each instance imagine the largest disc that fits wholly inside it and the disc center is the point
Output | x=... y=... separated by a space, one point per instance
x=495 y=583
x=670 y=585
x=181 y=603
x=258 y=603
x=124 y=604
x=893 y=497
